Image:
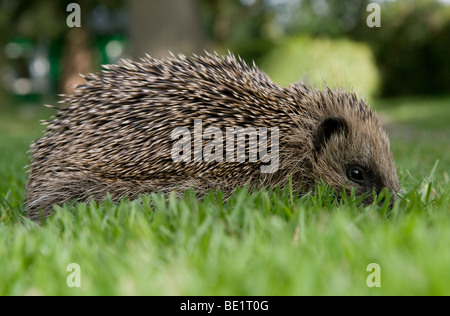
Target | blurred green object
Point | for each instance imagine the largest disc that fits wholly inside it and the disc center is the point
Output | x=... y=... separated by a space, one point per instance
x=319 y=62
x=412 y=48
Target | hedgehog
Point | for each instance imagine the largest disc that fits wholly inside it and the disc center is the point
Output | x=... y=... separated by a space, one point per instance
x=115 y=135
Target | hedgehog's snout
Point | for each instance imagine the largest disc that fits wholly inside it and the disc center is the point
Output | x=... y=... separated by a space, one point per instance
x=393 y=198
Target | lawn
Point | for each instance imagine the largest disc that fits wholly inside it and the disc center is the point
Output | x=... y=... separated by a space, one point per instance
x=268 y=243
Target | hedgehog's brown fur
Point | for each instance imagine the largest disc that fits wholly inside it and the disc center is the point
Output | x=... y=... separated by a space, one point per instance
x=114 y=135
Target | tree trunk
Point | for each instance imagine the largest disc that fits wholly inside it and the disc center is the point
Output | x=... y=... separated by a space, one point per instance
x=159 y=26
x=77 y=59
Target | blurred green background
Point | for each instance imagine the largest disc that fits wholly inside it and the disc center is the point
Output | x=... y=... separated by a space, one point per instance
x=313 y=40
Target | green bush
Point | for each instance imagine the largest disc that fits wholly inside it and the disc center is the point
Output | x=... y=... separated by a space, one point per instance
x=336 y=63
x=412 y=48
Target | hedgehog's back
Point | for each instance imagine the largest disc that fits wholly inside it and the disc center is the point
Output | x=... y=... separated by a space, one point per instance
x=114 y=133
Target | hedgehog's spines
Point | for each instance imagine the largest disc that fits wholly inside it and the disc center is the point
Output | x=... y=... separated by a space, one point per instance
x=114 y=133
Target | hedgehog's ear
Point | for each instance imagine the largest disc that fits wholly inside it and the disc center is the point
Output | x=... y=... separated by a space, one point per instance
x=329 y=127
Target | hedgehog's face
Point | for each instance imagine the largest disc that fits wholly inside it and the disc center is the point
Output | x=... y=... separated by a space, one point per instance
x=351 y=153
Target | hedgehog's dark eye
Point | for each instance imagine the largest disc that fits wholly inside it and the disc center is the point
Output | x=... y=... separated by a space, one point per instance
x=356 y=174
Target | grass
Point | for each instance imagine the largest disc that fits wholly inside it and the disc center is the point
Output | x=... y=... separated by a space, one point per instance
x=267 y=243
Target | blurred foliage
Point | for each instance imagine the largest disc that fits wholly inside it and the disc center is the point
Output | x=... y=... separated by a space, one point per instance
x=42 y=19
x=324 y=17
x=42 y=25
x=336 y=63
x=245 y=27
x=413 y=41
x=413 y=44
